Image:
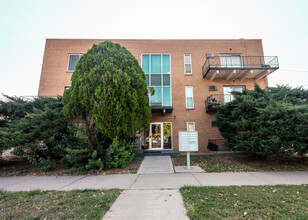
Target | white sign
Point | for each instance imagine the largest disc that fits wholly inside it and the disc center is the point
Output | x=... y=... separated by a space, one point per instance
x=188 y=141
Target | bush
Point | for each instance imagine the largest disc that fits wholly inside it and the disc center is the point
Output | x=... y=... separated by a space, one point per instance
x=33 y=129
x=45 y=164
x=266 y=122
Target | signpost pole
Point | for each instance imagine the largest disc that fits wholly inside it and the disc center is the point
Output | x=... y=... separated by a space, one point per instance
x=188 y=161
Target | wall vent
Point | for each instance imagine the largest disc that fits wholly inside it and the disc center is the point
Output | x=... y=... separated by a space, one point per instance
x=212 y=88
x=209 y=55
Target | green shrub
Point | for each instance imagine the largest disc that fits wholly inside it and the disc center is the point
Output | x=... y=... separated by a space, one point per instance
x=266 y=122
x=45 y=164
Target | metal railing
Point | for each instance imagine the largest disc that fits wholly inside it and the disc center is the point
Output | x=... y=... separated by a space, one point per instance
x=217 y=100
x=259 y=62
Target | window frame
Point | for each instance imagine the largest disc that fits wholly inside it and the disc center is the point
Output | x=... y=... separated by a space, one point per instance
x=230 y=55
x=162 y=76
x=187 y=63
x=193 y=104
x=192 y=123
x=68 y=61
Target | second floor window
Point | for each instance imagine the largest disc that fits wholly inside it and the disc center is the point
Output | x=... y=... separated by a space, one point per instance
x=189 y=97
x=72 y=61
x=157 y=71
x=187 y=64
x=231 y=60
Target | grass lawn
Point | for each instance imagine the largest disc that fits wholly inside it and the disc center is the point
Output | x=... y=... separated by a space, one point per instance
x=246 y=202
x=76 y=204
x=239 y=162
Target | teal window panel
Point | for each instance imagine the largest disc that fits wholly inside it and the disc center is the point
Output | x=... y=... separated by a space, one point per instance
x=166 y=63
x=146 y=63
x=156 y=98
x=156 y=80
x=166 y=79
x=166 y=96
x=155 y=63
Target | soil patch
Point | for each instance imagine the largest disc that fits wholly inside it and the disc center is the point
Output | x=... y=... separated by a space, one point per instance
x=22 y=167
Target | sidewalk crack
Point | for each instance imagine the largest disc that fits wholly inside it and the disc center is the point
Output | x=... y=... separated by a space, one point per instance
x=196 y=179
x=73 y=182
x=134 y=182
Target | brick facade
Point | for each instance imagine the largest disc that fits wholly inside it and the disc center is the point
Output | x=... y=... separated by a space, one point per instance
x=55 y=77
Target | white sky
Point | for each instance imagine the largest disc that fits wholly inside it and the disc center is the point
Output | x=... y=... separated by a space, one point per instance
x=25 y=24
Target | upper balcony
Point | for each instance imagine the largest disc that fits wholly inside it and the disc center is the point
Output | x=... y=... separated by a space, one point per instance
x=230 y=66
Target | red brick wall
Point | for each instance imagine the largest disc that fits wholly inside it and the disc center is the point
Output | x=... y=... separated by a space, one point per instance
x=54 y=76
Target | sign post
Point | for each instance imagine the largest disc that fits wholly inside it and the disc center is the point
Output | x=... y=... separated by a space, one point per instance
x=188 y=161
x=188 y=142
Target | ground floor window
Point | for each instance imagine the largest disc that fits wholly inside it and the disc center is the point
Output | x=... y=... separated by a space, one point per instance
x=157 y=137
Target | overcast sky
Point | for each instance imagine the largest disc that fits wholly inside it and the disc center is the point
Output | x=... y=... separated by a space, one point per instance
x=25 y=24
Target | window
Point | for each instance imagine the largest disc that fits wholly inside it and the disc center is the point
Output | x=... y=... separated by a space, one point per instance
x=157 y=71
x=187 y=64
x=189 y=97
x=72 y=61
x=212 y=88
x=214 y=124
x=231 y=60
x=190 y=126
x=228 y=97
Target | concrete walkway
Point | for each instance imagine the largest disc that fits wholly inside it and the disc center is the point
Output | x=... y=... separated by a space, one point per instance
x=151 y=181
x=150 y=196
x=157 y=164
x=148 y=204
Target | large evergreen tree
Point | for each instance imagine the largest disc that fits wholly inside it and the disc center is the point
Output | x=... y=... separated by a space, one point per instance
x=271 y=122
x=109 y=93
x=109 y=89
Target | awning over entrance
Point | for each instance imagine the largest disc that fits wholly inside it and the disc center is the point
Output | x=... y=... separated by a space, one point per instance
x=162 y=109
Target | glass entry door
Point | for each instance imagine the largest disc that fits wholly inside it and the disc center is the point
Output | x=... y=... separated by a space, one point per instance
x=160 y=136
x=156 y=136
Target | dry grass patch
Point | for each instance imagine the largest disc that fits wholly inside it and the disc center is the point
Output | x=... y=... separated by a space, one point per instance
x=246 y=202
x=76 y=204
x=239 y=162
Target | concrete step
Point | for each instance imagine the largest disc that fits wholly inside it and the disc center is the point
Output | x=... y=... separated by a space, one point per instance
x=158 y=153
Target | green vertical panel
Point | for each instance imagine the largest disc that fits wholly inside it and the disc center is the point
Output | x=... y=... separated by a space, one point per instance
x=166 y=63
x=155 y=63
x=145 y=63
x=167 y=96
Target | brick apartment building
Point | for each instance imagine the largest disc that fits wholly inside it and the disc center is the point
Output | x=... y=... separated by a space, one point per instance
x=190 y=78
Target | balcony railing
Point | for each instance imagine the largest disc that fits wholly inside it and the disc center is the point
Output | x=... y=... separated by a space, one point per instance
x=214 y=101
x=257 y=63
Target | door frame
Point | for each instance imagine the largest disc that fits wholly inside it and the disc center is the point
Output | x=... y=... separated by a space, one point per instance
x=162 y=136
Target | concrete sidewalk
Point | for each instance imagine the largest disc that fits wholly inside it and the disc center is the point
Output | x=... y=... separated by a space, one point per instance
x=151 y=181
x=150 y=196
x=157 y=164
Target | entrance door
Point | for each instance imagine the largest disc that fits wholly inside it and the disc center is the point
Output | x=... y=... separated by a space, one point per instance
x=160 y=136
x=156 y=136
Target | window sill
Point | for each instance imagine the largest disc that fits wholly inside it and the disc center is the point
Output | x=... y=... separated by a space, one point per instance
x=190 y=108
x=187 y=74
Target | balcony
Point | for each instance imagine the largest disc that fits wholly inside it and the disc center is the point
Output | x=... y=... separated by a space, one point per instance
x=239 y=67
x=213 y=102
